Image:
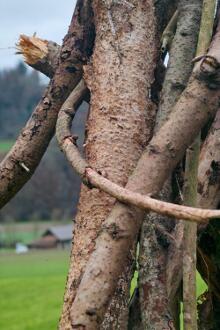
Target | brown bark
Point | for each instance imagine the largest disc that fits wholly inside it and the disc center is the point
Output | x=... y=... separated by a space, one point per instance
x=208 y=195
x=209 y=168
x=118 y=127
x=190 y=238
x=182 y=47
x=175 y=251
x=42 y=55
x=181 y=54
x=199 y=101
x=19 y=165
x=152 y=280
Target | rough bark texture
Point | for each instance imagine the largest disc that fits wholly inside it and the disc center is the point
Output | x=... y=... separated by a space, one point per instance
x=152 y=273
x=118 y=233
x=42 y=55
x=118 y=127
x=181 y=54
x=19 y=165
x=177 y=75
x=208 y=256
x=209 y=168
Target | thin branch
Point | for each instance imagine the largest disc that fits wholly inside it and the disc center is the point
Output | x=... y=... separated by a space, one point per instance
x=190 y=190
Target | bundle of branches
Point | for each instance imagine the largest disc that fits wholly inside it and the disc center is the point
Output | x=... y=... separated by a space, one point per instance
x=143 y=152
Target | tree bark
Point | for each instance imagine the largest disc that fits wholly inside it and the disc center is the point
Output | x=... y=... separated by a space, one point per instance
x=190 y=192
x=152 y=280
x=190 y=239
x=20 y=163
x=181 y=52
x=209 y=168
x=118 y=128
x=198 y=101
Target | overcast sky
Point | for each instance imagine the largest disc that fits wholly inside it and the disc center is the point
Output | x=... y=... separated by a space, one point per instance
x=48 y=18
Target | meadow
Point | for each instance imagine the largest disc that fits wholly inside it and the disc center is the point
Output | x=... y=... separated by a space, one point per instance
x=5 y=145
x=31 y=289
x=32 y=284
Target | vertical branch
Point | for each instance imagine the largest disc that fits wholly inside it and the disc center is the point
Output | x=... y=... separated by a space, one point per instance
x=160 y=270
x=190 y=239
x=190 y=189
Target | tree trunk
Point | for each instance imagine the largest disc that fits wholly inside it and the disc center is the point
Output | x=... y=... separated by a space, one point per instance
x=119 y=125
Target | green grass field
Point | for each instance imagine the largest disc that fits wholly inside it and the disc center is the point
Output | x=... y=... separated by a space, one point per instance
x=31 y=289
x=5 y=145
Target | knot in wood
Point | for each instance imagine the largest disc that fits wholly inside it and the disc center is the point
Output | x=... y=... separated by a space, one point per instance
x=114 y=231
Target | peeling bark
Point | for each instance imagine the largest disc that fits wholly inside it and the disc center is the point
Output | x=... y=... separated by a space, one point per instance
x=20 y=163
x=199 y=101
x=118 y=127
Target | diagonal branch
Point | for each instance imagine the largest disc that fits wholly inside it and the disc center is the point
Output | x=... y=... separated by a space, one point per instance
x=20 y=163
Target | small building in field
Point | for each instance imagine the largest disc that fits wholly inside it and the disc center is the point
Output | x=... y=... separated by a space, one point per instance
x=54 y=237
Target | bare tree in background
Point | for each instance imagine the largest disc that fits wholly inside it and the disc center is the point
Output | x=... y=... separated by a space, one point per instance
x=143 y=117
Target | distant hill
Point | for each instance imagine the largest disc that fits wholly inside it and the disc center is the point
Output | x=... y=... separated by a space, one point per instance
x=20 y=91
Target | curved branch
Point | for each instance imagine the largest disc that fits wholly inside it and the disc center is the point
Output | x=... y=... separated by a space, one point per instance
x=68 y=145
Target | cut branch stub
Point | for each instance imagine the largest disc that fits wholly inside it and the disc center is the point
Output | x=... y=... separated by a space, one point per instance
x=40 y=54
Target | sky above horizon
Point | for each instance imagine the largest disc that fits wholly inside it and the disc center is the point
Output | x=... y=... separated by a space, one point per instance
x=48 y=18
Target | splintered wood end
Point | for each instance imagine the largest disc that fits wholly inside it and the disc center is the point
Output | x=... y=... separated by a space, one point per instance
x=32 y=48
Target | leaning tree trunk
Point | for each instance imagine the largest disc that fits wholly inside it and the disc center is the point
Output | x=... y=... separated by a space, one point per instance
x=119 y=125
